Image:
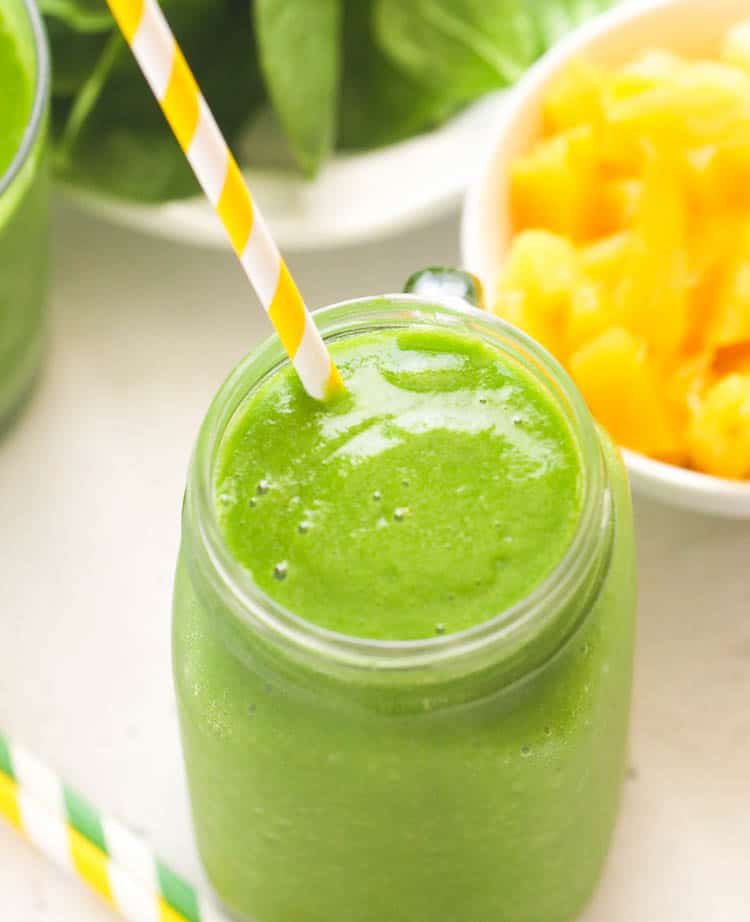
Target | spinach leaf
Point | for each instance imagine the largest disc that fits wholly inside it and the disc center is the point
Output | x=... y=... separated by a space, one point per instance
x=299 y=46
x=380 y=103
x=112 y=137
x=552 y=20
x=74 y=55
x=462 y=48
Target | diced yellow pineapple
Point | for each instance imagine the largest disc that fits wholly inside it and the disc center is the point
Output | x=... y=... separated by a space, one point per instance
x=574 y=98
x=735 y=49
x=719 y=433
x=701 y=104
x=685 y=386
x=717 y=176
x=511 y=304
x=729 y=359
x=650 y=69
x=731 y=315
x=552 y=186
x=588 y=317
x=536 y=284
x=703 y=186
x=623 y=391
x=616 y=205
x=605 y=260
x=652 y=299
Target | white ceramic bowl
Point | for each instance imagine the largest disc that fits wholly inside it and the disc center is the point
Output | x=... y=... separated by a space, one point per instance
x=691 y=27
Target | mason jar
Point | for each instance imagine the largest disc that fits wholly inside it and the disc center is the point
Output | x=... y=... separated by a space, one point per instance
x=464 y=778
x=24 y=203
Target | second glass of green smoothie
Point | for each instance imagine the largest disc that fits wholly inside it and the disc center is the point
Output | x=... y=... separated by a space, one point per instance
x=24 y=199
x=403 y=628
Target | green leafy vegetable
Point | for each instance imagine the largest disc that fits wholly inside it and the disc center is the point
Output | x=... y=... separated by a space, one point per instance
x=462 y=47
x=112 y=136
x=553 y=20
x=299 y=47
x=74 y=56
x=338 y=73
x=380 y=104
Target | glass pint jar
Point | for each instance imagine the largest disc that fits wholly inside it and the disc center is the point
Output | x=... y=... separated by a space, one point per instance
x=469 y=777
x=24 y=210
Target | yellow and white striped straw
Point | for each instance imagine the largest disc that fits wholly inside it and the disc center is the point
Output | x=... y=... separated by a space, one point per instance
x=109 y=859
x=164 y=66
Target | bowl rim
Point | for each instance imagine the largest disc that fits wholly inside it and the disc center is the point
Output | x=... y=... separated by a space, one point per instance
x=697 y=490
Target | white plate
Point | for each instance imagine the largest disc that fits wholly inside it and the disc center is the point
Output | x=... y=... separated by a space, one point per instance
x=357 y=197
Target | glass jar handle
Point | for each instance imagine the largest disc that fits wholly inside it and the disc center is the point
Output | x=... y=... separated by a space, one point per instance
x=438 y=281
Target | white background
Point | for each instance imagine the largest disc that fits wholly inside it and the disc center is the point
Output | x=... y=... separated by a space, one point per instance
x=90 y=487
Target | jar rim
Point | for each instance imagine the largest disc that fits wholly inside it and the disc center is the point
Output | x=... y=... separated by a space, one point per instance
x=42 y=73
x=508 y=628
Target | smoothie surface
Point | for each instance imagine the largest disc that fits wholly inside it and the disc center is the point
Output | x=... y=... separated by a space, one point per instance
x=16 y=95
x=442 y=488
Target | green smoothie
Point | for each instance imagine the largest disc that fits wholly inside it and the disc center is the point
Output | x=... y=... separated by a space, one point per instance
x=17 y=97
x=403 y=630
x=24 y=199
x=440 y=490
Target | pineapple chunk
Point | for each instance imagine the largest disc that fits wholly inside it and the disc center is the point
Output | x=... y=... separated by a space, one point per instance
x=536 y=285
x=702 y=104
x=617 y=205
x=732 y=358
x=728 y=317
x=717 y=176
x=605 y=260
x=589 y=316
x=650 y=69
x=652 y=299
x=553 y=186
x=575 y=99
x=735 y=49
x=623 y=391
x=685 y=386
x=731 y=320
x=719 y=433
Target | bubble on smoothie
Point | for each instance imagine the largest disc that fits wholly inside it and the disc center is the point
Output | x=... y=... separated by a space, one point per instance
x=377 y=495
x=483 y=400
x=280 y=570
x=525 y=751
x=518 y=420
x=440 y=628
x=263 y=487
x=400 y=513
x=404 y=483
x=253 y=502
x=303 y=527
x=548 y=731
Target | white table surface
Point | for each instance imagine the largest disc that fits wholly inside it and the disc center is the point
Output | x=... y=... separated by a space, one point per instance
x=90 y=487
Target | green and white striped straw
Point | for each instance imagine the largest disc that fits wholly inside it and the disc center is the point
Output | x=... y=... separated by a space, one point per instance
x=110 y=859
